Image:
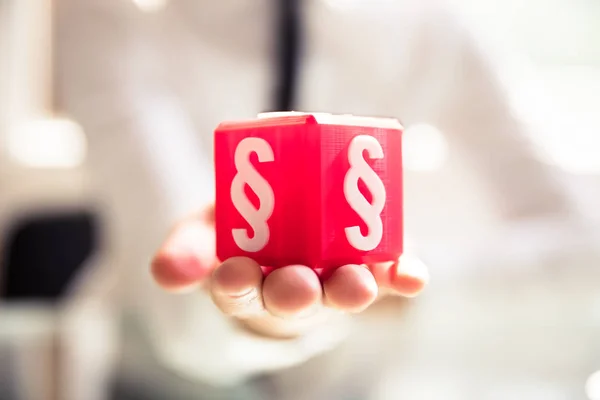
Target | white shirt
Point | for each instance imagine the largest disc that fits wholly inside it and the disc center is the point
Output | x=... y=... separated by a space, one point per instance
x=149 y=89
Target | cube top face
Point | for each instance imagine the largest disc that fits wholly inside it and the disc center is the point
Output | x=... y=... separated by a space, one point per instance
x=299 y=118
x=312 y=189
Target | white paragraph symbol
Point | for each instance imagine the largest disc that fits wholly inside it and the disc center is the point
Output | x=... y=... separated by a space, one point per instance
x=369 y=212
x=248 y=175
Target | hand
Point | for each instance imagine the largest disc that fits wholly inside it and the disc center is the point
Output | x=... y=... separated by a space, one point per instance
x=290 y=300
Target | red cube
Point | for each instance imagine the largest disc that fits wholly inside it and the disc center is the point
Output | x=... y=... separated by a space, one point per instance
x=317 y=189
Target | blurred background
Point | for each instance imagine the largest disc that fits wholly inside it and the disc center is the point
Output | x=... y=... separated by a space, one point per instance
x=92 y=127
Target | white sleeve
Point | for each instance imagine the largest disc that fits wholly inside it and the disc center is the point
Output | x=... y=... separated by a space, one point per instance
x=190 y=336
x=215 y=350
x=471 y=105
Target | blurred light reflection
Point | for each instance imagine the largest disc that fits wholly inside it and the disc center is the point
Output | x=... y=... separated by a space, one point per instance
x=150 y=5
x=48 y=143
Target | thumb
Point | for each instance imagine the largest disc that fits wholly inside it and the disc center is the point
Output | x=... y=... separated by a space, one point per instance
x=187 y=257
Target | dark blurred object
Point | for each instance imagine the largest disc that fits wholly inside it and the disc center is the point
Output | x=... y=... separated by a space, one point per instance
x=289 y=51
x=45 y=252
x=7 y=386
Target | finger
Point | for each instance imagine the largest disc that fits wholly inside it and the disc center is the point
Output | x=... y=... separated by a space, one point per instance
x=407 y=277
x=293 y=291
x=236 y=287
x=351 y=288
x=187 y=256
